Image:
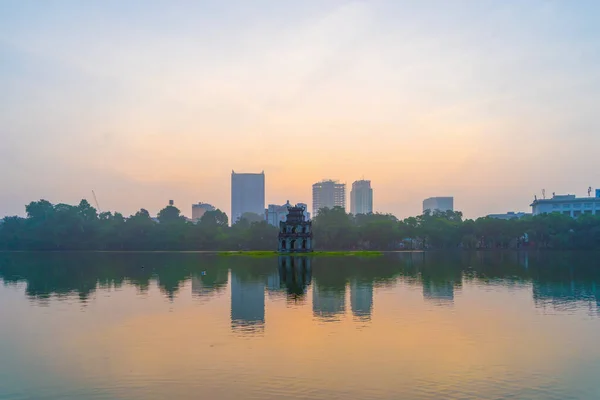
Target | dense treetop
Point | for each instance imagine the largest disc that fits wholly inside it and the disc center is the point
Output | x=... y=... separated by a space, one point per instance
x=67 y=227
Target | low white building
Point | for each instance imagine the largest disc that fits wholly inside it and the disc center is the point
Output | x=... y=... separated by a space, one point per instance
x=509 y=215
x=569 y=204
x=275 y=213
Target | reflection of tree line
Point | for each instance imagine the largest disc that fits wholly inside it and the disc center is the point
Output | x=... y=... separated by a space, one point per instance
x=555 y=277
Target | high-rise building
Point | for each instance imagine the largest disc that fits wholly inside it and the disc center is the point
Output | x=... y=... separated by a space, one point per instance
x=441 y=204
x=199 y=209
x=328 y=194
x=361 y=198
x=247 y=194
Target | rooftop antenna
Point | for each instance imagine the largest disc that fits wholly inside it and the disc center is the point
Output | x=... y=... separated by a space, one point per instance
x=543 y=193
x=96 y=201
x=589 y=191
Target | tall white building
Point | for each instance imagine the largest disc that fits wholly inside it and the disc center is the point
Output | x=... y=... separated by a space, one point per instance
x=328 y=194
x=247 y=194
x=361 y=197
x=568 y=204
x=441 y=204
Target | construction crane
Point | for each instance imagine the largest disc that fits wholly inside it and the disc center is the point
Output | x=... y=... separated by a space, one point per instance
x=96 y=201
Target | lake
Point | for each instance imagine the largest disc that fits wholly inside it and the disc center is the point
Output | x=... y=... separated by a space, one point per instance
x=199 y=326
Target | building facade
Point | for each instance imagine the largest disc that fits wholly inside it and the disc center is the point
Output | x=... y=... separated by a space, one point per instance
x=569 y=204
x=361 y=197
x=247 y=194
x=275 y=214
x=199 y=209
x=328 y=194
x=441 y=204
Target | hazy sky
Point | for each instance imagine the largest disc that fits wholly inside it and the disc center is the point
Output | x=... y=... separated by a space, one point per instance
x=145 y=101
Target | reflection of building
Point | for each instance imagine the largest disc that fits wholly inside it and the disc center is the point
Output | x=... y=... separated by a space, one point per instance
x=361 y=299
x=247 y=194
x=205 y=286
x=276 y=214
x=247 y=304
x=199 y=209
x=328 y=303
x=564 y=295
x=361 y=198
x=441 y=204
x=328 y=194
x=567 y=204
x=440 y=292
x=295 y=275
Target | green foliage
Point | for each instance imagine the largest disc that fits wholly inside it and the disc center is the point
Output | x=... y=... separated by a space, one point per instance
x=252 y=217
x=66 y=227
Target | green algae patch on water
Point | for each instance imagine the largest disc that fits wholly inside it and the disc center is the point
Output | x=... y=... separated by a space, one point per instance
x=314 y=253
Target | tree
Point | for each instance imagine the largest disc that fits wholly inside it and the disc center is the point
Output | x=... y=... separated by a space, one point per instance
x=251 y=217
x=334 y=229
x=214 y=218
x=170 y=214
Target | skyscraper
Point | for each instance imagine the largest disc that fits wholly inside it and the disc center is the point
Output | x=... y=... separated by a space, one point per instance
x=328 y=193
x=247 y=195
x=438 y=204
x=361 y=198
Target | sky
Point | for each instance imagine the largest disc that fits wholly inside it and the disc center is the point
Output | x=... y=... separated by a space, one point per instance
x=144 y=101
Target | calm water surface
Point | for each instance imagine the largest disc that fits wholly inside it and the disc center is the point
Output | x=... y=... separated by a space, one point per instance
x=403 y=326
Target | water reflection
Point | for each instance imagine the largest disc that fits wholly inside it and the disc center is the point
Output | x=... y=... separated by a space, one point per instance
x=406 y=325
x=247 y=303
x=209 y=283
x=557 y=281
x=361 y=299
x=295 y=275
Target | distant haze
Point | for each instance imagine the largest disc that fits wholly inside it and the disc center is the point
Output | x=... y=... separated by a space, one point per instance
x=146 y=101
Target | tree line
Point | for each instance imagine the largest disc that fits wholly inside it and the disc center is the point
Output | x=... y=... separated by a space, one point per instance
x=55 y=227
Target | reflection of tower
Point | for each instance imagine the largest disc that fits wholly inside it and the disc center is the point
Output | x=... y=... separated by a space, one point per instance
x=439 y=292
x=247 y=304
x=295 y=275
x=328 y=304
x=361 y=299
